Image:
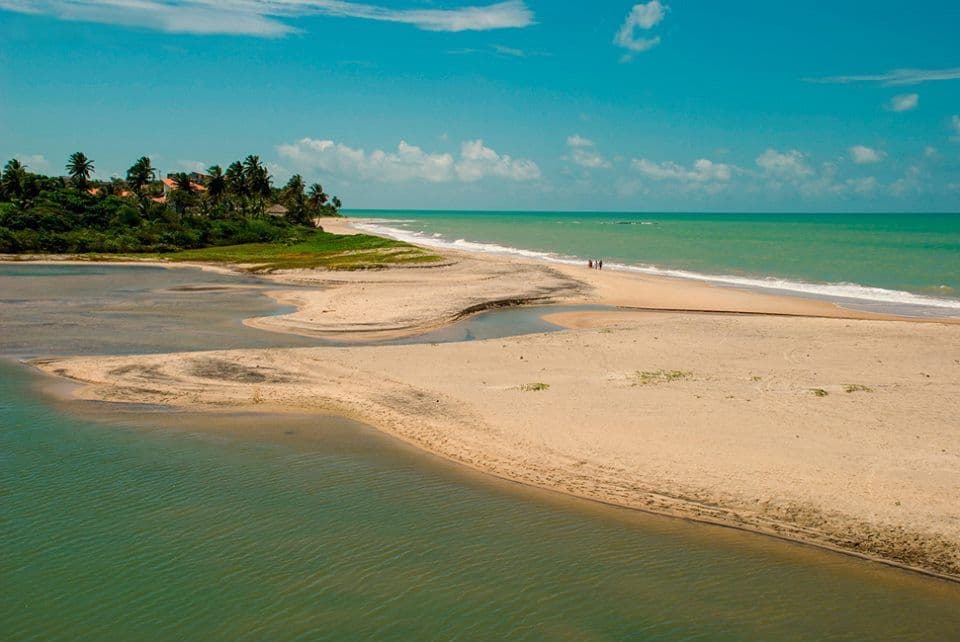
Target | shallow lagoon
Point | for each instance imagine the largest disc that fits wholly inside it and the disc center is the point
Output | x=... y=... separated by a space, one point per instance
x=51 y=309
x=147 y=524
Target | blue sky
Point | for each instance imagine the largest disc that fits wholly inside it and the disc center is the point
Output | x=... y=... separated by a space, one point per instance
x=524 y=104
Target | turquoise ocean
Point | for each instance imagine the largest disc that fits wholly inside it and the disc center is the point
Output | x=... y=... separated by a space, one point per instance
x=904 y=263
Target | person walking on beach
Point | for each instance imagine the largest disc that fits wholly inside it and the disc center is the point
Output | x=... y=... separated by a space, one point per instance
x=590 y=263
x=599 y=264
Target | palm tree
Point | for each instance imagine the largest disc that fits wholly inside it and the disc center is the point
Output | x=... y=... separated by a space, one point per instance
x=237 y=184
x=141 y=174
x=80 y=169
x=336 y=203
x=293 y=190
x=251 y=164
x=183 y=182
x=12 y=183
x=252 y=174
x=294 y=185
x=257 y=179
x=317 y=196
x=183 y=196
x=217 y=185
x=296 y=201
x=14 y=165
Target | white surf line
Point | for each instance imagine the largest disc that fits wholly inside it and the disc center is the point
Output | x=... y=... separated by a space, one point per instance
x=845 y=291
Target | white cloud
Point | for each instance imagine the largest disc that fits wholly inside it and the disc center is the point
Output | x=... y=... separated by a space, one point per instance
x=778 y=174
x=33 y=162
x=703 y=172
x=477 y=161
x=791 y=170
x=910 y=183
x=862 y=186
x=264 y=18
x=787 y=165
x=863 y=155
x=578 y=141
x=584 y=153
x=904 y=102
x=498 y=50
x=408 y=162
x=509 y=51
x=193 y=165
x=642 y=17
x=895 y=77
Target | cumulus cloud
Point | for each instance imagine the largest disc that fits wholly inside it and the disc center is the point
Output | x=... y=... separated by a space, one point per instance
x=642 y=18
x=408 y=162
x=895 y=77
x=863 y=155
x=703 y=174
x=791 y=170
x=583 y=152
x=265 y=18
x=702 y=170
x=478 y=161
x=904 y=102
x=787 y=173
x=911 y=183
x=787 y=165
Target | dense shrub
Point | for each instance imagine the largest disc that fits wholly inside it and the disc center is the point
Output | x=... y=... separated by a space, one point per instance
x=78 y=215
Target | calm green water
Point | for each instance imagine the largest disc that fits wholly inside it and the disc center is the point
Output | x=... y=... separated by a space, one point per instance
x=134 y=523
x=328 y=530
x=886 y=261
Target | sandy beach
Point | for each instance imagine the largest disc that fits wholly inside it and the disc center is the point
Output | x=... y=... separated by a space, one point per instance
x=387 y=304
x=787 y=416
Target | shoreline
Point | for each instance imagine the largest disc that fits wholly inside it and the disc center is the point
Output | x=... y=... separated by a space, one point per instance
x=852 y=296
x=485 y=426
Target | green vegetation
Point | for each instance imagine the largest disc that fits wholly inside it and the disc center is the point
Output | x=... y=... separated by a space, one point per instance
x=856 y=387
x=819 y=392
x=141 y=214
x=647 y=377
x=313 y=249
x=534 y=387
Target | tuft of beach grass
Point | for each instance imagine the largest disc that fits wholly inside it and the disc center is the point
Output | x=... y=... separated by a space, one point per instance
x=647 y=377
x=534 y=387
